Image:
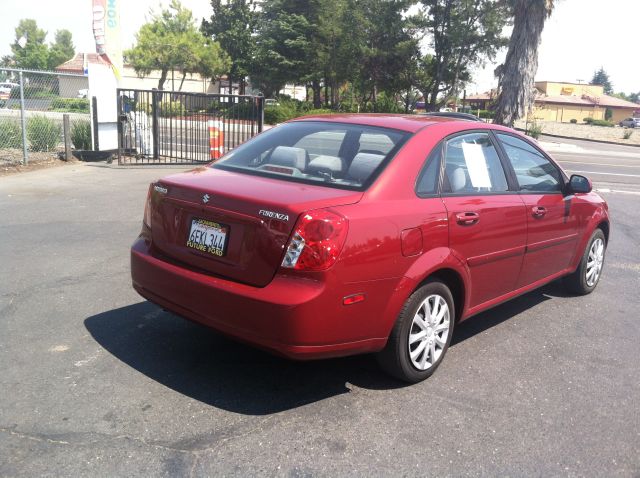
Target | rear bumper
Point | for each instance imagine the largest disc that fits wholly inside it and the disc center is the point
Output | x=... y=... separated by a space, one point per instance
x=300 y=319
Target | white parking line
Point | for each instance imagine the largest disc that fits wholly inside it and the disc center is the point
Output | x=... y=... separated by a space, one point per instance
x=621 y=191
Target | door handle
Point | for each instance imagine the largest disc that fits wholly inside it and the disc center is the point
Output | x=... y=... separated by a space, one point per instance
x=467 y=218
x=538 y=211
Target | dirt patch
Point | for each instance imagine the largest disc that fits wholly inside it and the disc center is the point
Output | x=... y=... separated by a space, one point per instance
x=11 y=161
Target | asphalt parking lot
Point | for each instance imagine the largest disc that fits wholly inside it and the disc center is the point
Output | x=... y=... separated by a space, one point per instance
x=97 y=382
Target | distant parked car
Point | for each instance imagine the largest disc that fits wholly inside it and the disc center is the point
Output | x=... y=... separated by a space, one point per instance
x=271 y=102
x=5 y=89
x=630 y=122
x=454 y=114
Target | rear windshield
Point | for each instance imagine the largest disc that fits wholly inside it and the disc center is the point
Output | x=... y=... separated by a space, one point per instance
x=335 y=154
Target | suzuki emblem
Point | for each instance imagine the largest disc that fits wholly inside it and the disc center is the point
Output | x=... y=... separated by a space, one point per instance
x=205 y=198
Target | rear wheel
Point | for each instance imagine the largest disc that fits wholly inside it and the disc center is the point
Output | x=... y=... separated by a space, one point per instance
x=421 y=335
x=585 y=279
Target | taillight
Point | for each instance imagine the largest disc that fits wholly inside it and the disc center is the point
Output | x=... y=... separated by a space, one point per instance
x=147 y=208
x=317 y=241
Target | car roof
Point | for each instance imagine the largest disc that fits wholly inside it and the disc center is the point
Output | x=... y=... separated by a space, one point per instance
x=409 y=123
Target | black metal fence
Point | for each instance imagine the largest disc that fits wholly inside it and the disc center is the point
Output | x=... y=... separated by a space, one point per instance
x=168 y=127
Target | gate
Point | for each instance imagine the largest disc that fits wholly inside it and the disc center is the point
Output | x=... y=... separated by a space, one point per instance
x=168 y=127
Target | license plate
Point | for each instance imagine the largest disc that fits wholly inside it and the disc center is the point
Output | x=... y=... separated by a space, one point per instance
x=208 y=236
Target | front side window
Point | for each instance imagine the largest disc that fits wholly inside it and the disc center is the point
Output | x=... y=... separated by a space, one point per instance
x=333 y=154
x=533 y=171
x=472 y=166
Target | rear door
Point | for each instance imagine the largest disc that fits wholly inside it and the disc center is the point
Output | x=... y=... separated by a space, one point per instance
x=487 y=221
x=551 y=218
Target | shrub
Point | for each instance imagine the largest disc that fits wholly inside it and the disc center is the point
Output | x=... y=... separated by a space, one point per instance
x=10 y=133
x=171 y=108
x=626 y=134
x=597 y=122
x=241 y=111
x=535 y=130
x=33 y=91
x=485 y=114
x=588 y=119
x=43 y=133
x=81 y=135
x=319 y=111
x=279 y=114
x=384 y=104
x=573 y=121
x=72 y=105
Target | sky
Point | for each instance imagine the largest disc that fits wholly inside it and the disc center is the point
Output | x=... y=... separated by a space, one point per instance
x=580 y=37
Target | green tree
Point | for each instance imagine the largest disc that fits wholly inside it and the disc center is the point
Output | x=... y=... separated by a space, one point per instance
x=386 y=45
x=516 y=76
x=61 y=49
x=282 y=47
x=34 y=52
x=463 y=33
x=600 y=77
x=232 y=25
x=171 y=41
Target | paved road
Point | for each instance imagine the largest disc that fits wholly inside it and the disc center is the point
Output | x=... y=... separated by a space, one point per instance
x=610 y=167
x=97 y=382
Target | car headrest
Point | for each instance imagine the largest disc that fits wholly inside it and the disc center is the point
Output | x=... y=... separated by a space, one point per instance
x=457 y=179
x=289 y=156
x=330 y=164
x=363 y=165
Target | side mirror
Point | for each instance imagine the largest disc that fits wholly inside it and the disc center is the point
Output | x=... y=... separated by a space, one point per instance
x=579 y=184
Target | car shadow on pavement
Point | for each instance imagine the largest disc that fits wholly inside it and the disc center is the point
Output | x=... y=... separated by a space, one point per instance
x=201 y=364
x=503 y=312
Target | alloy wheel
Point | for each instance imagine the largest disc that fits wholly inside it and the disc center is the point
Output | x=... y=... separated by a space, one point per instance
x=594 y=262
x=429 y=332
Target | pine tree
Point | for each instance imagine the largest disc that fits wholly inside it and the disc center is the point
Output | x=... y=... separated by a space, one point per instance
x=600 y=77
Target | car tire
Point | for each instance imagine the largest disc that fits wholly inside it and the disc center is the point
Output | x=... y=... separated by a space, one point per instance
x=421 y=335
x=586 y=277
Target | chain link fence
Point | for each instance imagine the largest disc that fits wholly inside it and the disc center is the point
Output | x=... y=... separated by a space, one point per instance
x=32 y=107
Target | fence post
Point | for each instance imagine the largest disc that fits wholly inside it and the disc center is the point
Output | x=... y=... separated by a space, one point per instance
x=155 y=127
x=67 y=136
x=94 y=119
x=260 y=113
x=23 y=120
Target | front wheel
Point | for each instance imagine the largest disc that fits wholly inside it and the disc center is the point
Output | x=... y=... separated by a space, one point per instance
x=585 y=279
x=421 y=335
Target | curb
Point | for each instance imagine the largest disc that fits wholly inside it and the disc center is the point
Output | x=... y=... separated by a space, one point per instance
x=584 y=139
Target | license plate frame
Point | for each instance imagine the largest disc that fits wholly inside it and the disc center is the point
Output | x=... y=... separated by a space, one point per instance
x=208 y=237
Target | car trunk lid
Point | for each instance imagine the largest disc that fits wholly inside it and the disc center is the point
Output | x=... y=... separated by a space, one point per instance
x=248 y=218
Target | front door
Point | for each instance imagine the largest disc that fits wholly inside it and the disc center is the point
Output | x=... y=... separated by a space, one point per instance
x=487 y=221
x=551 y=219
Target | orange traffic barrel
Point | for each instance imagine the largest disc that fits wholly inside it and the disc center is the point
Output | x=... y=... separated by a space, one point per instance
x=216 y=139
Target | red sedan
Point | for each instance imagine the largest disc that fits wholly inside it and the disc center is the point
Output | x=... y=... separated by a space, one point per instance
x=345 y=234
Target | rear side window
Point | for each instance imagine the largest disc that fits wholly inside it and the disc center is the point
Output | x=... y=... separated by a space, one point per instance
x=333 y=154
x=533 y=171
x=472 y=166
x=427 y=184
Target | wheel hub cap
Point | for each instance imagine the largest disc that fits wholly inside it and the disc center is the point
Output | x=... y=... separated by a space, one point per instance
x=429 y=332
x=595 y=260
